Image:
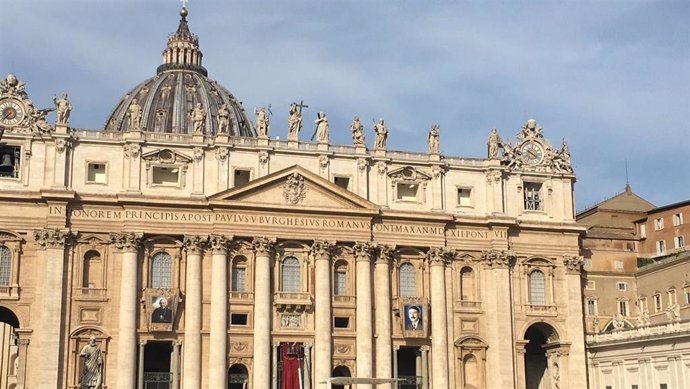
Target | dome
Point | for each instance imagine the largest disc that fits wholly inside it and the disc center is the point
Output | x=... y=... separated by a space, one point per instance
x=181 y=98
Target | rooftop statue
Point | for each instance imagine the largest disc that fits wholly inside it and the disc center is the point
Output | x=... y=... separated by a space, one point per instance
x=198 y=119
x=493 y=144
x=321 y=127
x=433 y=140
x=223 y=119
x=12 y=86
x=357 y=132
x=134 y=116
x=261 y=121
x=381 y=135
x=64 y=108
x=294 y=122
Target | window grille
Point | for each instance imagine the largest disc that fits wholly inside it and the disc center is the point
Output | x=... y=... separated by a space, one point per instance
x=536 y=288
x=339 y=282
x=408 y=287
x=161 y=271
x=5 y=262
x=290 y=275
x=238 y=278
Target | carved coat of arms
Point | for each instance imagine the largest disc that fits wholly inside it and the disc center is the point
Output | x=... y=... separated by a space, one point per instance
x=293 y=189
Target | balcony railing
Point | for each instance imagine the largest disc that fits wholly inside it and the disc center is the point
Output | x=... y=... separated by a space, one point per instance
x=241 y=296
x=9 y=292
x=409 y=382
x=90 y=293
x=542 y=309
x=157 y=380
x=469 y=305
x=287 y=300
x=343 y=300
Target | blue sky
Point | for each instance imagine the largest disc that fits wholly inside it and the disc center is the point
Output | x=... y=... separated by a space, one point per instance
x=611 y=77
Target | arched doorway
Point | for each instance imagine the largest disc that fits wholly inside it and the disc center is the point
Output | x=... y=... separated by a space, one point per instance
x=238 y=377
x=538 y=374
x=341 y=371
x=9 y=352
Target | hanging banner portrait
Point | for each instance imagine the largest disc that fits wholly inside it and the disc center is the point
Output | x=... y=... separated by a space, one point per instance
x=161 y=306
x=414 y=318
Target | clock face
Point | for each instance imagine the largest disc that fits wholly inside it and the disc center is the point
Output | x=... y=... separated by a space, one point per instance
x=532 y=153
x=11 y=112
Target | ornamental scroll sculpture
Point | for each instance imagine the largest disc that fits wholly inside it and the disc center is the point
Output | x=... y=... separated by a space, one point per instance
x=294 y=190
x=531 y=152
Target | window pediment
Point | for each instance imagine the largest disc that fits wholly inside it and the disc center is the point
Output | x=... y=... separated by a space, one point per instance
x=167 y=157
x=409 y=174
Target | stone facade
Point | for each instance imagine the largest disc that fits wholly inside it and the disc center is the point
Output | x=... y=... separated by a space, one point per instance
x=208 y=260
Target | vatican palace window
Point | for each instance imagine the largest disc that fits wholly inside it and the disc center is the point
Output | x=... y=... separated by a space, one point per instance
x=290 y=277
x=340 y=279
x=239 y=275
x=161 y=271
x=5 y=265
x=407 y=280
x=537 y=288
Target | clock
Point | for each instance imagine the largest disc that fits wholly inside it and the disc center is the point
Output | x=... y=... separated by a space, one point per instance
x=532 y=153
x=11 y=112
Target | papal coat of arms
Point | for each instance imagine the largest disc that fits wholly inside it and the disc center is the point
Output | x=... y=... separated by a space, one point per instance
x=293 y=189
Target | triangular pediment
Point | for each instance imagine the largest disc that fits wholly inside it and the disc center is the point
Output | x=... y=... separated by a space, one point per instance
x=294 y=187
x=166 y=156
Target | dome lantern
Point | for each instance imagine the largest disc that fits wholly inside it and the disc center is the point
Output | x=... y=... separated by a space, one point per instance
x=182 y=50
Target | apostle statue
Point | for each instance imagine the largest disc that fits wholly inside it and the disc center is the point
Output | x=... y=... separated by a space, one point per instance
x=432 y=139
x=381 y=135
x=357 y=132
x=134 y=116
x=294 y=122
x=63 y=107
x=198 y=119
x=92 y=375
x=493 y=144
x=223 y=119
x=261 y=121
x=321 y=128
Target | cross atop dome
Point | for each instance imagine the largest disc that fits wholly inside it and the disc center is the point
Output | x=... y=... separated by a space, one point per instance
x=182 y=51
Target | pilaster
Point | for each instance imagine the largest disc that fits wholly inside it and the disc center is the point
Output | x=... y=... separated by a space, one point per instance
x=438 y=257
x=217 y=359
x=323 y=348
x=263 y=249
x=382 y=284
x=362 y=252
x=194 y=246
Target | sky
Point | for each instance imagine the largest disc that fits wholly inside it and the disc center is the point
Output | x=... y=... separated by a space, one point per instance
x=612 y=78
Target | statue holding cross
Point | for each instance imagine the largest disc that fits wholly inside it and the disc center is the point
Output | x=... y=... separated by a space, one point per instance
x=295 y=120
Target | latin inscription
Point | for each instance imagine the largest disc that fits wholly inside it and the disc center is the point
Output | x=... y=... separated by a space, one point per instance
x=409 y=229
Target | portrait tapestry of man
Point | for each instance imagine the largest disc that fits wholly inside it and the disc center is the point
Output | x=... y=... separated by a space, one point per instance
x=162 y=311
x=414 y=318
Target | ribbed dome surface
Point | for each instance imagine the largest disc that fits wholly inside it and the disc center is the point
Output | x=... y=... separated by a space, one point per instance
x=165 y=102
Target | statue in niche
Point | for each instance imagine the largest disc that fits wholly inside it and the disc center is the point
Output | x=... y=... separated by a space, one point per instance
x=381 y=135
x=134 y=116
x=618 y=322
x=261 y=121
x=294 y=122
x=198 y=119
x=493 y=144
x=357 y=132
x=63 y=108
x=92 y=375
x=223 y=119
x=321 y=127
x=432 y=139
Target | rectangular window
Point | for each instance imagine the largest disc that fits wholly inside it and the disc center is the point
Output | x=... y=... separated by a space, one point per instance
x=643 y=231
x=659 y=224
x=341 y=322
x=9 y=161
x=634 y=387
x=672 y=297
x=95 y=173
x=618 y=264
x=591 y=307
x=533 y=201
x=343 y=182
x=623 y=308
x=657 y=303
x=622 y=285
x=642 y=302
x=663 y=386
x=242 y=176
x=238 y=319
x=679 y=242
x=660 y=247
x=238 y=279
x=168 y=176
x=677 y=219
x=687 y=294
x=407 y=192
x=464 y=197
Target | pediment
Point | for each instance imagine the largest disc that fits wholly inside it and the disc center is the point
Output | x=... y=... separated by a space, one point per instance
x=166 y=156
x=409 y=173
x=294 y=187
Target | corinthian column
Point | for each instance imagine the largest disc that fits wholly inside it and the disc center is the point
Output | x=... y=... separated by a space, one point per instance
x=384 y=347
x=53 y=242
x=439 y=330
x=362 y=253
x=217 y=359
x=128 y=244
x=323 y=347
x=263 y=247
x=191 y=373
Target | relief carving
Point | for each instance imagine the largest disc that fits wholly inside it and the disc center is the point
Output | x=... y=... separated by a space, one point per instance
x=132 y=151
x=126 y=241
x=51 y=238
x=497 y=259
x=294 y=189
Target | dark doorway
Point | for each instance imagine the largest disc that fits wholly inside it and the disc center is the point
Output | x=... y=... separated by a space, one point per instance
x=157 y=373
x=9 y=352
x=408 y=359
x=341 y=371
x=536 y=363
x=238 y=377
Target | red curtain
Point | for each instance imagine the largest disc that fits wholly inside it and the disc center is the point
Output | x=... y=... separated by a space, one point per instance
x=290 y=356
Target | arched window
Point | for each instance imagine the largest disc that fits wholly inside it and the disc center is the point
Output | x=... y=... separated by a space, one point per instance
x=536 y=288
x=340 y=279
x=92 y=270
x=407 y=280
x=239 y=275
x=467 y=285
x=290 y=279
x=5 y=264
x=161 y=271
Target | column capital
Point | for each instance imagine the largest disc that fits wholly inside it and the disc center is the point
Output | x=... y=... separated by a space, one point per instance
x=219 y=243
x=52 y=238
x=573 y=265
x=126 y=241
x=424 y=348
x=385 y=254
x=321 y=249
x=497 y=259
x=195 y=244
x=439 y=256
x=363 y=251
x=263 y=245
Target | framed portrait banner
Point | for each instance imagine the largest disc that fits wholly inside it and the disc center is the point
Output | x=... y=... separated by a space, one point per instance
x=414 y=318
x=161 y=308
